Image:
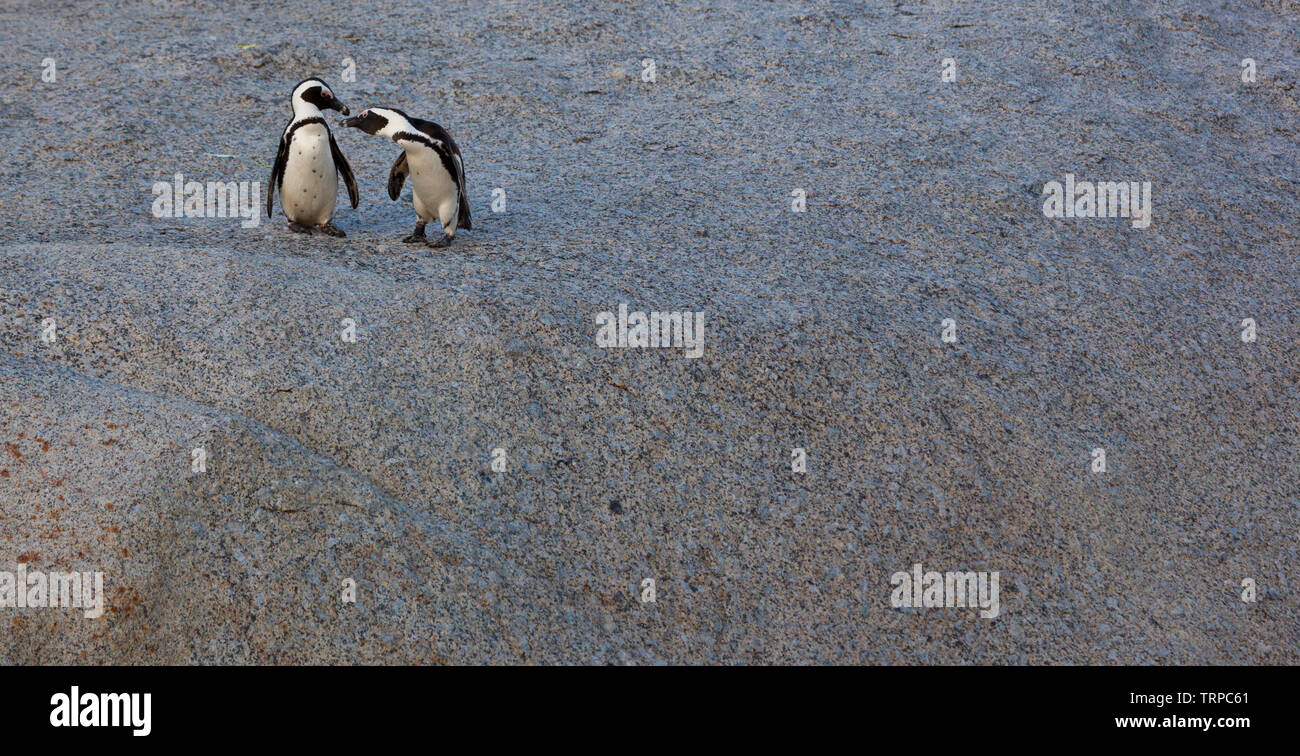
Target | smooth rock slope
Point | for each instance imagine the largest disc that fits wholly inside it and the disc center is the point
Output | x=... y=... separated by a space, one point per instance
x=371 y=461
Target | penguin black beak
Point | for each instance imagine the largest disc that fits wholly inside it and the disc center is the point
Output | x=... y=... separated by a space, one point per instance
x=350 y=122
x=340 y=107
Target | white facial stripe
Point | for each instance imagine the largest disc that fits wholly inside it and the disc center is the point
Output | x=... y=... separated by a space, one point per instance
x=302 y=108
x=308 y=84
x=395 y=123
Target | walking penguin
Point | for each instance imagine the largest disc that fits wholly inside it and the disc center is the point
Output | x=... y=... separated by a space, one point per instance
x=432 y=160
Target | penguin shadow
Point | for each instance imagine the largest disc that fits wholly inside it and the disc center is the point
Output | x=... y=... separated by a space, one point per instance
x=378 y=232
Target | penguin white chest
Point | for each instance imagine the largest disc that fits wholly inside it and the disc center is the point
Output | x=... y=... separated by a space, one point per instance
x=432 y=188
x=311 y=181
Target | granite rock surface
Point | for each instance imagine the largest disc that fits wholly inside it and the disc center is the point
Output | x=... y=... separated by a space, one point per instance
x=329 y=460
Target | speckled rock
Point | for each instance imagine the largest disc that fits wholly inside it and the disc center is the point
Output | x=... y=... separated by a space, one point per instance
x=329 y=460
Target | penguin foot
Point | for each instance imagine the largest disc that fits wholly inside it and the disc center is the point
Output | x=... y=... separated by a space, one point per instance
x=297 y=229
x=441 y=241
x=330 y=229
x=417 y=235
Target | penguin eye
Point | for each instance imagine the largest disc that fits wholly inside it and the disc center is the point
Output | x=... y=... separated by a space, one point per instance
x=328 y=93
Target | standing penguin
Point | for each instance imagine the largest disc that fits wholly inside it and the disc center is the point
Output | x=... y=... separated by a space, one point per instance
x=432 y=159
x=308 y=165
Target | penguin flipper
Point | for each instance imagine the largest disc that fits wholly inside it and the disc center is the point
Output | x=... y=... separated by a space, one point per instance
x=345 y=170
x=397 y=176
x=462 y=213
x=277 y=175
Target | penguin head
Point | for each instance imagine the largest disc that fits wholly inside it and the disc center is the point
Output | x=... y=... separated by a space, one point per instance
x=382 y=121
x=315 y=93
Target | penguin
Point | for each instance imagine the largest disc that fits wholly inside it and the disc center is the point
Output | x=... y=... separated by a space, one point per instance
x=309 y=163
x=432 y=159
